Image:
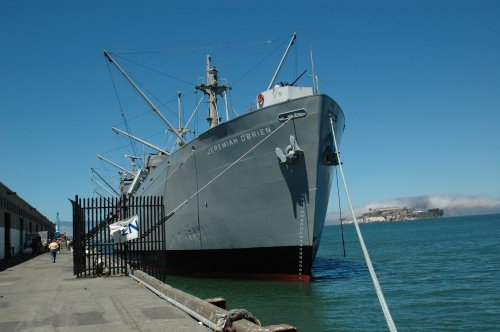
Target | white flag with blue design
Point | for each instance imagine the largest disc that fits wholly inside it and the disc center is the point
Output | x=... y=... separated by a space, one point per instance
x=125 y=230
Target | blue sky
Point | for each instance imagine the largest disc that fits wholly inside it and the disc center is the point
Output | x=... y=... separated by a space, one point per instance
x=419 y=83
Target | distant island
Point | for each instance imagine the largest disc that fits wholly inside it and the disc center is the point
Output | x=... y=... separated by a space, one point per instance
x=389 y=214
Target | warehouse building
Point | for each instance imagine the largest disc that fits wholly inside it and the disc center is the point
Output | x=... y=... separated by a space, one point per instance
x=19 y=221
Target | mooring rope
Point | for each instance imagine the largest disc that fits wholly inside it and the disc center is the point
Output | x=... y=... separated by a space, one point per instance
x=378 y=289
x=340 y=212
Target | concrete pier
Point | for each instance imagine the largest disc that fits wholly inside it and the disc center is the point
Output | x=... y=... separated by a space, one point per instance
x=38 y=295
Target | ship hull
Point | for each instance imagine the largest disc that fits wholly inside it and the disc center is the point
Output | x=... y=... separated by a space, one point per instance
x=236 y=210
x=243 y=263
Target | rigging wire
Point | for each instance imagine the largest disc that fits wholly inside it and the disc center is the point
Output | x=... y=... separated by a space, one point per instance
x=258 y=64
x=295 y=51
x=202 y=48
x=231 y=103
x=169 y=175
x=162 y=105
x=167 y=145
x=195 y=111
x=153 y=96
x=376 y=284
x=154 y=70
x=121 y=108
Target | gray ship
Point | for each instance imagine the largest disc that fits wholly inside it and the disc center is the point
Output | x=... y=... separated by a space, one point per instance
x=248 y=197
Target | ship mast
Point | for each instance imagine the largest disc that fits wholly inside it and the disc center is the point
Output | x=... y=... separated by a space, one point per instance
x=212 y=89
x=180 y=130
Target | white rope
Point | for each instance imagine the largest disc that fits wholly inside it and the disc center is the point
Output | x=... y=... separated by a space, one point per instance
x=378 y=289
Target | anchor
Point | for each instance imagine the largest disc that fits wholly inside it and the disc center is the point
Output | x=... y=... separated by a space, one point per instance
x=292 y=152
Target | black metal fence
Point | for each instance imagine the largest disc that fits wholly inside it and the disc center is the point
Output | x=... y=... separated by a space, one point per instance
x=95 y=253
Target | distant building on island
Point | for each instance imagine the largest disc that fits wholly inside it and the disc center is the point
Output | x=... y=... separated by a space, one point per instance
x=396 y=214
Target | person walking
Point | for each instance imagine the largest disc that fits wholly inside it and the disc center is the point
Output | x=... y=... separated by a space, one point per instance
x=53 y=247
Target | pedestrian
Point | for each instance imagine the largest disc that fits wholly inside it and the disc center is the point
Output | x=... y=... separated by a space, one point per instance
x=53 y=247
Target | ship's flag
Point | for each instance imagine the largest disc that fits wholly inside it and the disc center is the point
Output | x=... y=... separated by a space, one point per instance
x=125 y=230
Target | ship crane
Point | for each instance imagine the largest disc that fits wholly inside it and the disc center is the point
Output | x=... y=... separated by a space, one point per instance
x=100 y=185
x=104 y=188
x=132 y=161
x=116 y=165
x=146 y=99
x=154 y=147
x=134 y=178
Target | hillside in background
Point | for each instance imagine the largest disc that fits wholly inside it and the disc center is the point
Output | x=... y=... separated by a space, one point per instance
x=451 y=205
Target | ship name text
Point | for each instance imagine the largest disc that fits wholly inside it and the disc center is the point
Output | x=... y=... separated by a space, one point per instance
x=261 y=132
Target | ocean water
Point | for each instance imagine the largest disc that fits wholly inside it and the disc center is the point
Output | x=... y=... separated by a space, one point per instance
x=436 y=275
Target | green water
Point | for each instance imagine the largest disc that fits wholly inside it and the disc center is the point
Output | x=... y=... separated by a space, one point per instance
x=436 y=275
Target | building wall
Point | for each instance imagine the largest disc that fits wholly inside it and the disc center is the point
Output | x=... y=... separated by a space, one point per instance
x=2 y=242
x=17 y=219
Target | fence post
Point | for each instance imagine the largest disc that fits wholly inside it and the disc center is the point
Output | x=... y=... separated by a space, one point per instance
x=77 y=236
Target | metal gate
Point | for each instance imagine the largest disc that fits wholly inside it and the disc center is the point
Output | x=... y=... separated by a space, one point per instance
x=95 y=253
